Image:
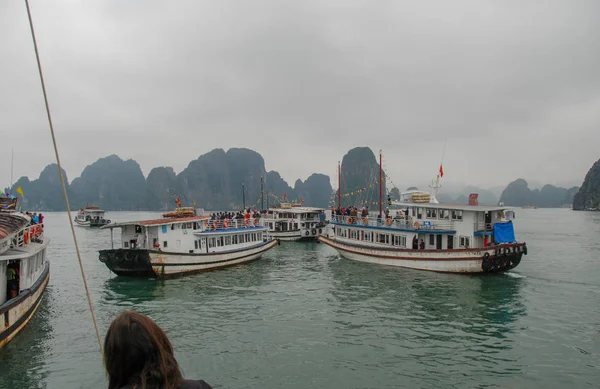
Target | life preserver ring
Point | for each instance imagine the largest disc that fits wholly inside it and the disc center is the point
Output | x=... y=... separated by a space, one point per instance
x=307 y=233
x=314 y=232
x=416 y=225
x=365 y=221
x=215 y=224
x=498 y=252
x=246 y=222
x=506 y=251
x=350 y=220
x=206 y=224
x=320 y=231
x=388 y=221
x=226 y=223
x=26 y=236
x=256 y=221
x=486 y=255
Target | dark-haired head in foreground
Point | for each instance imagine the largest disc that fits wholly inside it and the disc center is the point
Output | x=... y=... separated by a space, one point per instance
x=138 y=355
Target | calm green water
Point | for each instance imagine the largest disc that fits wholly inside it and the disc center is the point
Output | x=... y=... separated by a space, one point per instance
x=303 y=317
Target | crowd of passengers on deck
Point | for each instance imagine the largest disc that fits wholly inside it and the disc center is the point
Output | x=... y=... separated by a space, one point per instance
x=352 y=215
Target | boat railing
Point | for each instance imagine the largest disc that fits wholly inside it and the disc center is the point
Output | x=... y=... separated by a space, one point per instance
x=482 y=226
x=227 y=224
x=29 y=234
x=395 y=222
x=295 y=220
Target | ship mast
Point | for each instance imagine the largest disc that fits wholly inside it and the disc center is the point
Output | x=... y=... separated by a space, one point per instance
x=380 y=183
x=437 y=185
x=339 y=185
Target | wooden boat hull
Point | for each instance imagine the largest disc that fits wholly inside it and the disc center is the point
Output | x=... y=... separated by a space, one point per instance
x=294 y=235
x=492 y=259
x=160 y=264
x=17 y=312
x=82 y=223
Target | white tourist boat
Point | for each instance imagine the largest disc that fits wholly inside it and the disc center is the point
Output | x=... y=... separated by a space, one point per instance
x=424 y=234
x=24 y=272
x=295 y=222
x=91 y=216
x=179 y=244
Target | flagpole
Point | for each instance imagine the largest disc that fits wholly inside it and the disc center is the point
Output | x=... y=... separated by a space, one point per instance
x=12 y=163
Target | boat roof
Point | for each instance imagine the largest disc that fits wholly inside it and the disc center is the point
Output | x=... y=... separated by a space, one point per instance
x=157 y=222
x=11 y=222
x=462 y=207
x=298 y=209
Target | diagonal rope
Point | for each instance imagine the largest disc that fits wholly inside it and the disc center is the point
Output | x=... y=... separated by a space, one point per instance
x=62 y=180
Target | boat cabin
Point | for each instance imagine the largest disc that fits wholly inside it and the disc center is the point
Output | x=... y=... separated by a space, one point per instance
x=431 y=226
x=23 y=263
x=190 y=235
x=294 y=217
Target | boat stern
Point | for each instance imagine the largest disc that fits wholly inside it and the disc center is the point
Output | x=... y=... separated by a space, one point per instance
x=504 y=257
x=127 y=262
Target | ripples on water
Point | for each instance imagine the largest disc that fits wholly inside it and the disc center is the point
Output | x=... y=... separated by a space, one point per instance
x=303 y=317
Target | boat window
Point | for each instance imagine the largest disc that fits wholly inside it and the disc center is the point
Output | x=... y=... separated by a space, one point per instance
x=126 y=244
x=431 y=240
x=420 y=213
x=189 y=225
x=172 y=227
x=227 y=240
x=399 y=240
x=196 y=244
x=444 y=214
x=434 y=213
x=295 y=226
x=211 y=242
x=165 y=244
x=457 y=214
x=183 y=226
x=464 y=241
x=221 y=241
x=429 y=213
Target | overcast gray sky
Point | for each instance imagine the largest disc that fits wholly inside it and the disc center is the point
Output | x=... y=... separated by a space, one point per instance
x=512 y=86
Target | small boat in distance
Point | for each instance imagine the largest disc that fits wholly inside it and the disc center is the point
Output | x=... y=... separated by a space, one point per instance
x=24 y=271
x=293 y=223
x=91 y=216
x=180 y=244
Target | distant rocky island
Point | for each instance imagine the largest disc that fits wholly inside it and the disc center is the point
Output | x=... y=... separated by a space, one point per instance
x=588 y=197
x=518 y=194
x=214 y=182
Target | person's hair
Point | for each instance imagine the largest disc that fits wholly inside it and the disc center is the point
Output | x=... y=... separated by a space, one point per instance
x=137 y=352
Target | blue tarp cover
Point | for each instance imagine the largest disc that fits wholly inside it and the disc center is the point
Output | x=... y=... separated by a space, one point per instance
x=504 y=232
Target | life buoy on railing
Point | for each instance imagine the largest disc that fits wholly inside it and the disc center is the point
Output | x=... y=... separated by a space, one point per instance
x=26 y=236
x=350 y=220
x=365 y=221
x=246 y=222
x=226 y=223
x=256 y=221
x=215 y=224
x=416 y=225
x=206 y=224
x=388 y=221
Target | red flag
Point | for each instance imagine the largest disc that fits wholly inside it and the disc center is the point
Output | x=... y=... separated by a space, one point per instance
x=284 y=196
x=441 y=171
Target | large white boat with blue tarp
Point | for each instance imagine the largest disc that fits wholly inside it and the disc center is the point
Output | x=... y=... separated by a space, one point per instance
x=185 y=241
x=420 y=233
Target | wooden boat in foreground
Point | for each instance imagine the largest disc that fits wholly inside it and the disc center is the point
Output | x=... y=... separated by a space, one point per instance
x=174 y=246
x=24 y=272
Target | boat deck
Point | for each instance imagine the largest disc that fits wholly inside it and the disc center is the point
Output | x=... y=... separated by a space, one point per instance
x=24 y=251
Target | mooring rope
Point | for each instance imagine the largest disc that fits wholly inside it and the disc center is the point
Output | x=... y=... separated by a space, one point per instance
x=62 y=180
